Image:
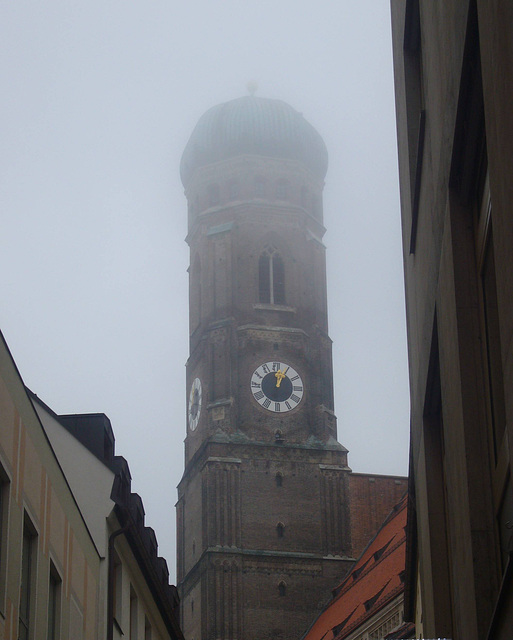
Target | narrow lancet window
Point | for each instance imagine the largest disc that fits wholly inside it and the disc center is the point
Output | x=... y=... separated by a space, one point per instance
x=271 y=277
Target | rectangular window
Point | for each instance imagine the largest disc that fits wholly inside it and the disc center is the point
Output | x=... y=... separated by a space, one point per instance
x=415 y=111
x=492 y=356
x=27 y=587
x=118 y=589
x=4 y=508
x=493 y=344
x=134 y=605
x=54 y=604
x=436 y=493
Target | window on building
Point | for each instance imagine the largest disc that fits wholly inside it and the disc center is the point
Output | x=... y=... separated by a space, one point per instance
x=492 y=355
x=54 y=604
x=195 y=294
x=117 y=582
x=282 y=589
x=271 y=277
x=415 y=111
x=4 y=506
x=134 y=606
x=490 y=317
x=280 y=529
x=27 y=586
x=436 y=481
x=279 y=479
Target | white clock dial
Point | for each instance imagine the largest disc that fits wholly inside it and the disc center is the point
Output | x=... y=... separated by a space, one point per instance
x=277 y=387
x=194 y=404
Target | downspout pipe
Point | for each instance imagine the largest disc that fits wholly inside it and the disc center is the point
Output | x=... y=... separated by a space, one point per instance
x=110 y=582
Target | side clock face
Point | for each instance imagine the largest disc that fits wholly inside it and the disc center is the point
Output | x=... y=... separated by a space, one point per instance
x=194 y=404
x=277 y=387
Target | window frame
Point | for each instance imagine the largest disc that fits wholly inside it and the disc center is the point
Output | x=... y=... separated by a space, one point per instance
x=5 y=497
x=494 y=380
x=28 y=579
x=54 y=603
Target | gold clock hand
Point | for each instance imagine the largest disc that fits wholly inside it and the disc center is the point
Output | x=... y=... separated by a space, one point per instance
x=279 y=377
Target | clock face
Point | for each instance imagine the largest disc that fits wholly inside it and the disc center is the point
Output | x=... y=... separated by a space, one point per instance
x=277 y=387
x=194 y=404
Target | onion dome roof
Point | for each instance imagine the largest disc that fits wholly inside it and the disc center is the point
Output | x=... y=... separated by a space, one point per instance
x=256 y=126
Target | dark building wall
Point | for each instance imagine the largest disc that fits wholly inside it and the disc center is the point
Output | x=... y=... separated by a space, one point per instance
x=453 y=68
x=269 y=546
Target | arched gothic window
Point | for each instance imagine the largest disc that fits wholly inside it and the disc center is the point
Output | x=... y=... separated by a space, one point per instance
x=195 y=294
x=282 y=588
x=280 y=529
x=271 y=277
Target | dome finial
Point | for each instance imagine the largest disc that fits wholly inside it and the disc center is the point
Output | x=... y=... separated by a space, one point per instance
x=252 y=86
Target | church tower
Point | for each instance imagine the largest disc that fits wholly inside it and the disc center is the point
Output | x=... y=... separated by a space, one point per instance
x=263 y=506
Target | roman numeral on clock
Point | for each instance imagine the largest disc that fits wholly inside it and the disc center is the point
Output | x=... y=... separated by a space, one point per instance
x=259 y=395
x=295 y=398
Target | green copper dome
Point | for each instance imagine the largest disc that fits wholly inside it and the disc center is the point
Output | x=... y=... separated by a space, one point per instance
x=256 y=126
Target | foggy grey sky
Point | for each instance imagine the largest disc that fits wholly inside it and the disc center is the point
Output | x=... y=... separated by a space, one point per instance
x=99 y=99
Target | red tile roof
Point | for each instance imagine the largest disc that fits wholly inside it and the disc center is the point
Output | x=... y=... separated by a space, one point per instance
x=375 y=579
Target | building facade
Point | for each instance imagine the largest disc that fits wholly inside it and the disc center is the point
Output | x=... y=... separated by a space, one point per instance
x=135 y=598
x=453 y=66
x=76 y=560
x=263 y=512
x=49 y=564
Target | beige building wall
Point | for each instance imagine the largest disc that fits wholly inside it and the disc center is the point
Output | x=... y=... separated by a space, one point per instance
x=135 y=610
x=37 y=505
x=62 y=511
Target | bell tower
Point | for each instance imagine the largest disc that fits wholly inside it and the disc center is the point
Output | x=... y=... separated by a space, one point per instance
x=263 y=507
